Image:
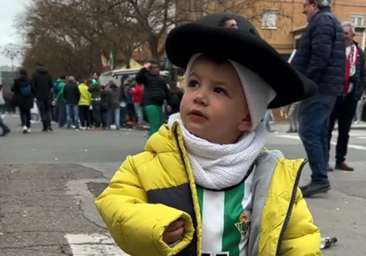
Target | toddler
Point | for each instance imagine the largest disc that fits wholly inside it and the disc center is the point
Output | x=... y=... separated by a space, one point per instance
x=205 y=185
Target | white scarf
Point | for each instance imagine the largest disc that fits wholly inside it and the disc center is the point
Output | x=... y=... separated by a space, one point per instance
x=217 y=166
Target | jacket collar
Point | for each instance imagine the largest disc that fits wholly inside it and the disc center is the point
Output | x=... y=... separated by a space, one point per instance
x=321 y=10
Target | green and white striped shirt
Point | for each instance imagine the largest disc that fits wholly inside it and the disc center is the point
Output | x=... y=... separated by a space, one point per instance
x=226 y=219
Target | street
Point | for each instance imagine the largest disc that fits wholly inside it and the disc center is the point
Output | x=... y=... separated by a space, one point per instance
x=49 y=181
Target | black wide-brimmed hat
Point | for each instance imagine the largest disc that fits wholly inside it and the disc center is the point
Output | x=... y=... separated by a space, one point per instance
x=244 y=46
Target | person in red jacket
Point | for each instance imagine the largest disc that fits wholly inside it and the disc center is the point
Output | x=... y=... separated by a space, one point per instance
x=137 y=99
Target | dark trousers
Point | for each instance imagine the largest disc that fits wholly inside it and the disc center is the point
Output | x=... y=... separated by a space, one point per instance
x=314 y=114
x=343 y=112
x=84 y=116
x=61 y=117
x=96 y=113
x=44 y=107
x=130 y=107
x=25 y=117
x=2 y=108
x=105 y=118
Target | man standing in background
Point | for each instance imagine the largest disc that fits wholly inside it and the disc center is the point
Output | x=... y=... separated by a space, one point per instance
x=95 y=91
x=320 y=57
x=346 y=104
x=155 y=92
x=43 y=84
x=60 y=103
x=72 y=97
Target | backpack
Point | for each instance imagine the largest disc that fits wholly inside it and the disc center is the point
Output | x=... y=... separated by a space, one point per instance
x=55 y=87
x=26 y=90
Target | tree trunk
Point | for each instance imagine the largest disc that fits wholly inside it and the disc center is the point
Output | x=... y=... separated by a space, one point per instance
x=154 y=45
x=128 y=66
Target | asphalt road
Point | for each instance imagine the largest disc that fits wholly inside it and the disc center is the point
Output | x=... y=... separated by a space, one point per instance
x=48 y=183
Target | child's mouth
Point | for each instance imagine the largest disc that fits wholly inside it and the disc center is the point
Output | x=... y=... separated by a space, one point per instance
x=197 y=115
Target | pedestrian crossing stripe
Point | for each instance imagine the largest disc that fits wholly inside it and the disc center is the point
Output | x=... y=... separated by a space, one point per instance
x=93 y=245
x=295 y=137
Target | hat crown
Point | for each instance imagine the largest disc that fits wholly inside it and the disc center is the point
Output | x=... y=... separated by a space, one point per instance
x=213 y=20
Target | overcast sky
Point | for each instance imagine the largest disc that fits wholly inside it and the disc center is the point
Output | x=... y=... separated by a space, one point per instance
x=7 y=31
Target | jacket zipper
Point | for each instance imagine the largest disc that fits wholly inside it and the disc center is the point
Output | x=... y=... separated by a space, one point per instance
x=291 y=206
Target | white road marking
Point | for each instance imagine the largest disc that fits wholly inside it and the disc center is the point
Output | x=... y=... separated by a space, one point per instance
x=93 y=245
x=294 y=137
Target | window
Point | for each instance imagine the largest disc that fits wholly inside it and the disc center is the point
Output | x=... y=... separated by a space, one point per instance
x=358 y=20
x=269 y=19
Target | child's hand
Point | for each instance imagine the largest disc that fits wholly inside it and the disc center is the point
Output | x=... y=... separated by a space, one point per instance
x=174 y=232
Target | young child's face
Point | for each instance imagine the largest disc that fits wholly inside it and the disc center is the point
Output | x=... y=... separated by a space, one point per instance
x=214 y=107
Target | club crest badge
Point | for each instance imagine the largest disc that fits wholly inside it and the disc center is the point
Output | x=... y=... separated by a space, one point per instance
x=244 y=224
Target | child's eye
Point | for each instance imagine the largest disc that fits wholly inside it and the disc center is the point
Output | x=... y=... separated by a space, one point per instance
x=193 y=84
x=220 y=90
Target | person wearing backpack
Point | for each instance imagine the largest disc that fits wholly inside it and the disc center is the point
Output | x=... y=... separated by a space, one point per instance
x=23 y=98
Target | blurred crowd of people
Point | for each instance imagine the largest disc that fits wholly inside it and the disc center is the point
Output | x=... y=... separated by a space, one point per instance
x=88 y=105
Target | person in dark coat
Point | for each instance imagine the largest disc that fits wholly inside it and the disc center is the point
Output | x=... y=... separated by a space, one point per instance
x=345 y=108
x=105 y=100
x=72 y=97
x=321 y=57
x=23 y=98
x=155 y=93
x=43 y=85
x=115 y=103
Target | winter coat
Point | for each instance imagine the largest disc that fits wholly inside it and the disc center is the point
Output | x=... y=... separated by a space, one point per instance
x=72 y=93
x=43 y=84
x=19 y=99
x=321 y=54
x=153 y=189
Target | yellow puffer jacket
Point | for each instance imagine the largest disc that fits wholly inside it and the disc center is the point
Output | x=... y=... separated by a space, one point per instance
x=136 y=212
x=85 y=96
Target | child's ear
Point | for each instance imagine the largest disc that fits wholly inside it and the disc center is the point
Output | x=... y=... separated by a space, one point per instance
x=245 y=124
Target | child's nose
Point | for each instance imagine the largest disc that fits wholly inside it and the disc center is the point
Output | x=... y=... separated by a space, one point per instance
x=200 y=98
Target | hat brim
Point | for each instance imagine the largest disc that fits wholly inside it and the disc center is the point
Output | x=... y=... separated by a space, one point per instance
x=244 y=48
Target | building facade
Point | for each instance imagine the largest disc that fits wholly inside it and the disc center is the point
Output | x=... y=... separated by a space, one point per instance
x=282 y=23
x=7 y=75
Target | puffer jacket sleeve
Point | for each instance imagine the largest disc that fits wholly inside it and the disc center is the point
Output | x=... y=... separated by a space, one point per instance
x=135 y=225
x=302 y=237
x=323 y=37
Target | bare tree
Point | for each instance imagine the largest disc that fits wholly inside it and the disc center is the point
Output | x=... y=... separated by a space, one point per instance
x=157 y=17
x=11 y=51
x=69 y=35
